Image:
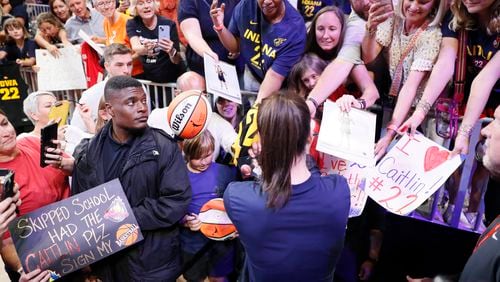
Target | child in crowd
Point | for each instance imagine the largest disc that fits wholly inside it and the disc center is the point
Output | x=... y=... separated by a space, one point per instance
x=50 y=32
x=18 y=47
x=208 y=181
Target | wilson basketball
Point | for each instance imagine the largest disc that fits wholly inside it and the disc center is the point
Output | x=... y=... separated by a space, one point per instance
x=215 y=224
x=127 y=234
x=188 y=114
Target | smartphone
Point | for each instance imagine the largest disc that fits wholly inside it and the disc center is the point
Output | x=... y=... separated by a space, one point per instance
x=163 y=32
x=6 y=183
x=60 y=110
x=389 y=4
x=48 y=134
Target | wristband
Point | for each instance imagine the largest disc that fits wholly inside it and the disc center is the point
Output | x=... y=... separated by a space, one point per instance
x=393 y=127
x=465 y=130
x=218 y=27
x=315 y=103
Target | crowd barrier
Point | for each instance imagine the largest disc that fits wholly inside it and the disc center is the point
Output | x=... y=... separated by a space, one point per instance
x=161 y=95
x=34 y=10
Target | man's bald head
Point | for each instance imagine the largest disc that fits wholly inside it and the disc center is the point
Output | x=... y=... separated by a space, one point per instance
x=190 y=81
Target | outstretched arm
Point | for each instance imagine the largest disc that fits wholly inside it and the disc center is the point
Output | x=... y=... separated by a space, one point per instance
x=192 y=31
x=230 y=42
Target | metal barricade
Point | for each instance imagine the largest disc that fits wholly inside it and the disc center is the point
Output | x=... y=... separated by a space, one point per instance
x=161 y=94
x=33 y=11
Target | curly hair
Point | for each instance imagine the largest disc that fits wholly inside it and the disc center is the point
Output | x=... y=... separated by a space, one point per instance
x=462 y=19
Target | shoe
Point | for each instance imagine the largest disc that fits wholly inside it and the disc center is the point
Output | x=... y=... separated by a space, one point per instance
x=448 y=213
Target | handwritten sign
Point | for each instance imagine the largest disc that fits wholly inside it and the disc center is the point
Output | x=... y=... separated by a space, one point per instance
x=350 y=136
x=62 y=73
x=355 y=175
x=222 y=79
x=409 y=174
x=73 y=233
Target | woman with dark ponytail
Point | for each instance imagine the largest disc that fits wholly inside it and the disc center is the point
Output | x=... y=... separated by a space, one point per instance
x=291 y=222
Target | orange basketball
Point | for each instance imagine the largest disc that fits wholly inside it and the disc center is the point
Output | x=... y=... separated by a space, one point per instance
x=188 y=114
x=215 y=224
x=127 y=234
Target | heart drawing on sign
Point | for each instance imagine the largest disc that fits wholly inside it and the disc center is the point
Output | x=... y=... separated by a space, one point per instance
x=434 y=157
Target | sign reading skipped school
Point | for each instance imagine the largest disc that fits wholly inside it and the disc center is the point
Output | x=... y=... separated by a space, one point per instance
x=78 y=231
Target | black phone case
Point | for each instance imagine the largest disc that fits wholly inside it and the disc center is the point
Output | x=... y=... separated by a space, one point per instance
x=8 y=188
x=48 y=134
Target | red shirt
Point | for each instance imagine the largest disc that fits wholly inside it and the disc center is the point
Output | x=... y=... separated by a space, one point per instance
x=38 y=186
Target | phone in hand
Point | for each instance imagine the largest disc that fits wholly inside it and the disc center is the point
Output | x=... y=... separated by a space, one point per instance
x=6 y=183
x=60 y=111
x=388 y=4
x=163 y=32
x=48 y=134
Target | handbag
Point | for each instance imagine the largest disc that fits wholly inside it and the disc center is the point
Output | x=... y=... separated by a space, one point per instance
x=447 y=109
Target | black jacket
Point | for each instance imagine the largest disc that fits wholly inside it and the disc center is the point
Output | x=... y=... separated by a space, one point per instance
x=155 y=181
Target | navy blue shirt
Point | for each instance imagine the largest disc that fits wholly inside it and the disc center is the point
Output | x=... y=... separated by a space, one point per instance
x=115 y=155
x=481 y=47
x=264 y=45
x=14 y=53
x=299 y=242
x=200 y=10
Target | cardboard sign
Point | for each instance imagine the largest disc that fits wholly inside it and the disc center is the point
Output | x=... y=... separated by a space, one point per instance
x=355 y=175
x=410 y=173
x=350 y=136
x=222 y=79
x=73 y=233
x=62 y=73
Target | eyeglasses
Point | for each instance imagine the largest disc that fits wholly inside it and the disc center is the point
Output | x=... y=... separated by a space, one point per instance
x=104 y=3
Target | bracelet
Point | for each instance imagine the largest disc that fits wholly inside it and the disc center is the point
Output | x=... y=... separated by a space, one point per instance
x=465 y=130
x=218 y=27
x=393 y=127
x=362 y=102
x=371 y=31
x=174 y=52
x=315 y=103
x=424 y=106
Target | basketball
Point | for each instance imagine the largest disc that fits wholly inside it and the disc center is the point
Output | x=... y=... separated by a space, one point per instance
x=215 y=224
x=127 y=234
x=188 y=114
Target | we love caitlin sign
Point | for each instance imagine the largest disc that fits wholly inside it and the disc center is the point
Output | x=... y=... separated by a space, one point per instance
x=409 y=174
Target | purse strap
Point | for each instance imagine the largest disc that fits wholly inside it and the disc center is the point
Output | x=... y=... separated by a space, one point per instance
x=459 y=81
x=398 y=73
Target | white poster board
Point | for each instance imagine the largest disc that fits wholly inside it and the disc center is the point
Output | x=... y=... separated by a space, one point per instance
x=409 y=174
x=62 y=73
x=222 y=79
x=355 y=175
x=350 y=136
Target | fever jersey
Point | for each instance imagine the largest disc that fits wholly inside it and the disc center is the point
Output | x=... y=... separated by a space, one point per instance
x=264 y=45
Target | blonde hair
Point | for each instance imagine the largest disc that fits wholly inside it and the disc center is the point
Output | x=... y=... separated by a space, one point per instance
x=133 y=7
x=30 y=104
x=199 y=146
x=436 y=15
x=462 y=19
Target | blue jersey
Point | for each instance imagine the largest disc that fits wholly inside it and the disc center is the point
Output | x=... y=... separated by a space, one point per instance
x=200 y=10
x=264 y=45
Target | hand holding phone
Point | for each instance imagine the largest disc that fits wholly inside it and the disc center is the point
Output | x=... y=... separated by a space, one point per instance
x=6 y=183
x=48 y=133
x=163 y=32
